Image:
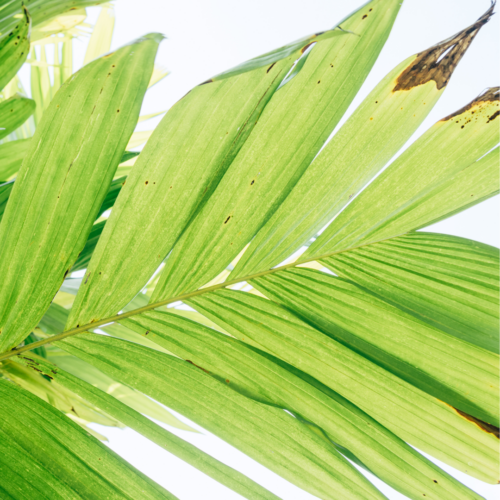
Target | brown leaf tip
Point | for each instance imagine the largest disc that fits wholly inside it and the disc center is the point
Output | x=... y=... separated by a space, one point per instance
x=439 y=62
x=489 y=95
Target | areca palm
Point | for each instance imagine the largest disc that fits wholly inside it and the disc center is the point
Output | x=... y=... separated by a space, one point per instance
x=318 y=323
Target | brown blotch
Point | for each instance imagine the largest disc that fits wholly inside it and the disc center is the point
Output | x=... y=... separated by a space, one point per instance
x=430 y=66
x=146 y=183
x=490 y=95
x=270 y=67
x=489 y=428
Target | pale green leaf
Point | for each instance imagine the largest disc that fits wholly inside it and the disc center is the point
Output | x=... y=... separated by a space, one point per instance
x=291 y=131
x=80 y=141
x=371 y=136
x=269 y=435
x=251 y=373
x=100 y=40
x=418 y=188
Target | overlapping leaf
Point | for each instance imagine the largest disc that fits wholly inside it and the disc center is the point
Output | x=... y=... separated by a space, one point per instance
x=267 y=434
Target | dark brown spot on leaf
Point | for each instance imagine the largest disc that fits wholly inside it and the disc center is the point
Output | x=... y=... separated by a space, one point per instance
x=227 y=220
x=365 y=16
x=439 y=62
x=270 y=67
x=493 y=116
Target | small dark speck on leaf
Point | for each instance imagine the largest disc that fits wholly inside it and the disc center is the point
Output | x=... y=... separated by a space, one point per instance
x=226 y=221
x=146 y=183
x=365 y=16
x=462 y=126
x=146 y=332
x=270 y=67
x=435 y=481
x=251 y=184
x=370 y=10
x=319 y=81
x=117 y=110
x=376 y=102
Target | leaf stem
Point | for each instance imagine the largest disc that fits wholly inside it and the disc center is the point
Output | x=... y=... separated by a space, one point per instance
x=149 y=307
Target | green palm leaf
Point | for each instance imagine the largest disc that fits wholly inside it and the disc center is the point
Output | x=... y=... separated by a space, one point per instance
x=389 y=342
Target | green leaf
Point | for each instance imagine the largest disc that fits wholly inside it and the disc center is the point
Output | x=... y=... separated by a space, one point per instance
x=12 y=154
x=422 y=180
x=374 y=133
x=416 y=417
x=39 y=10
x=264 y=378
x=36 y=461
x=79 y=142
x=268 y=435
x=177 y=170
x=170 y=442
x=451 y=370
x=13 y=113
x=448 y=282
x=14 y=45
x=291 y=131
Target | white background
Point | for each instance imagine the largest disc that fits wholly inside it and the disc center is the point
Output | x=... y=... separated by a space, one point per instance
x=206 y=37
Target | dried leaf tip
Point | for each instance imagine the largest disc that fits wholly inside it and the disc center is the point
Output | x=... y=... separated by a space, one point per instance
x=491 y=94
x=438 y=62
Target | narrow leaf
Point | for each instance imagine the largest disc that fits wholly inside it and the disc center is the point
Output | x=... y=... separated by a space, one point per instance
x=14 y=44
x=170 y=442
x=79 y=142
x=448 y=282
x=414 y=416
x=291 y=131
x=416 y=189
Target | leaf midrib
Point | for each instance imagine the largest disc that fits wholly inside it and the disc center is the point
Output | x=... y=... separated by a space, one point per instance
x=182 y=297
